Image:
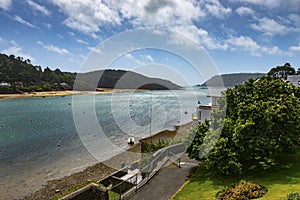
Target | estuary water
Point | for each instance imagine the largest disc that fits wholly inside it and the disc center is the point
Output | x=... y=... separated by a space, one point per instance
x=40 y=141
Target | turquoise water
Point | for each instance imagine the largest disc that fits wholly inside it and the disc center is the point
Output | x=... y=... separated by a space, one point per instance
x=36 y=134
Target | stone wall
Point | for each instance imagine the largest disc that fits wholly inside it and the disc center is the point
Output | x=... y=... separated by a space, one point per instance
x=89 y=192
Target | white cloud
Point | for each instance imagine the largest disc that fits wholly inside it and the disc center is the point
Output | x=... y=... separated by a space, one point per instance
x=5 y=4
x=129 y=56
x=17 y=51
x=71 y=33
x=39 y=8
x=248 y=44
x=266 y=3
x=60 y=36
x=215 y=8
x=81 y=41
x=54 y=48
x=197 y=36
x=149 y=58
x=270 y=27
x=22 y=21
x=275 y=50
x=87 y=16
x=295 y=48
x=159 y=12
x=90 y=16
x=14 y=43
x=47 y=25
x=244 y=11
x=289 y=5
x=295 y=21
x=95 y=50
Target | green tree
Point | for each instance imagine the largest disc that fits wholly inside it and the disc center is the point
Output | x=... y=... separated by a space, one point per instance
x=262 y=121
x=23 y=76
x=282 y=71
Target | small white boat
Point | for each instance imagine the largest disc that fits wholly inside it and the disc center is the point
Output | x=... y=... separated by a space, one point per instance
x=131 y=140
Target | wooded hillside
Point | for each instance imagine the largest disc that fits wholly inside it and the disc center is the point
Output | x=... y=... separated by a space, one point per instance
x=230 y=80
x=18 y=75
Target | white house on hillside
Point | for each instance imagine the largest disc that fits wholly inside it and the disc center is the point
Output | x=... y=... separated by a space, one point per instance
x=294 y=79
x=5 y=84
x=204 y=111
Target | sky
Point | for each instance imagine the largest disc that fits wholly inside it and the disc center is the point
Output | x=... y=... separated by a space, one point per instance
x=237 y=35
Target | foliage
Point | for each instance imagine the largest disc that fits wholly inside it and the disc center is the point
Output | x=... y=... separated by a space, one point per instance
x=282 y=71
x=147 y=154
x=148 y=148
x=25 y=77
x=243 y=190
x=262 y=121
x=195 y=139
x=293 y=196
x=282 y=179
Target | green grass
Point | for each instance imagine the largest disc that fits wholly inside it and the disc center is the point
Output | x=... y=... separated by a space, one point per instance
x=280 y=181
x=113 y=195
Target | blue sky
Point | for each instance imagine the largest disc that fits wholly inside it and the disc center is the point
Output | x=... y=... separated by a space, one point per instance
x=238 y=35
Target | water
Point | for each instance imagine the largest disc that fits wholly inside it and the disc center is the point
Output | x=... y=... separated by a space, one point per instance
x=39 y=140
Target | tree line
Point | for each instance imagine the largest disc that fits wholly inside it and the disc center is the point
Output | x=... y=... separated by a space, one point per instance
x=18 y=75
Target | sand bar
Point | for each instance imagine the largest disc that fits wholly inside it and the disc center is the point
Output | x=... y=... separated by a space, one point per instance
x=65 y=93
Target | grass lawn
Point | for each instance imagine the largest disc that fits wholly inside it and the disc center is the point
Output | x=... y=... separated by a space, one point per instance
x=280 y=181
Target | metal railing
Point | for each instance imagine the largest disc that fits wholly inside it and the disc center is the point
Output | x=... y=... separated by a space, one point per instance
x=160 y=158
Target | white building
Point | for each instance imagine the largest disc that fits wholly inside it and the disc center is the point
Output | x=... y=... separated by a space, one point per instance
x=294 y=79
x=64 y=84
x=204 y=111
x=5 y=84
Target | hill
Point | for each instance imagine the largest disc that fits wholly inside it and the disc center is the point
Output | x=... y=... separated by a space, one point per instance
x=121 y=79
x=18 y=75
x=230 y=80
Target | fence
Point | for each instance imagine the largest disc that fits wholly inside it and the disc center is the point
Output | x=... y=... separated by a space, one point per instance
x=158 y=161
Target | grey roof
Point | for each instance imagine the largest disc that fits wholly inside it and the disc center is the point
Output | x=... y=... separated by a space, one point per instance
x=294 y=79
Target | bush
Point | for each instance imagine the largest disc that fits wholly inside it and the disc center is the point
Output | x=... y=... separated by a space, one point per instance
x=243 y=190
x=293 y=196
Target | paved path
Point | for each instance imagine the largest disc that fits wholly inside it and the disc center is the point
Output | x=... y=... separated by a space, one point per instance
x=166 y=183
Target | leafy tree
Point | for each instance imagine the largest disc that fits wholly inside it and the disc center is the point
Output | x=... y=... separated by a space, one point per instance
x=24 y=77
x=282 y=71
x=196 y=138
x=262 y=121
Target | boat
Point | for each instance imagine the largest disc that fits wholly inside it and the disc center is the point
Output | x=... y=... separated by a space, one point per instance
x=131 y=140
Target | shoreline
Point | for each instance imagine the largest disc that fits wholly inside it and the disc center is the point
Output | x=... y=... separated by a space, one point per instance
x=98 y=171
x=66 y=93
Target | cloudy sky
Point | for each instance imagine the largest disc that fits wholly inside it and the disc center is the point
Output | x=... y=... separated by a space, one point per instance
x=238 y=35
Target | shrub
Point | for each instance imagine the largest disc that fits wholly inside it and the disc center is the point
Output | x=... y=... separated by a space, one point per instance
x=243 y=191
x=293 y=196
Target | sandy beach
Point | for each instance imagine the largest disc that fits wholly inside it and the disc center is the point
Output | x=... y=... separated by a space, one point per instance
x=66 y=93
x=101 y=170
